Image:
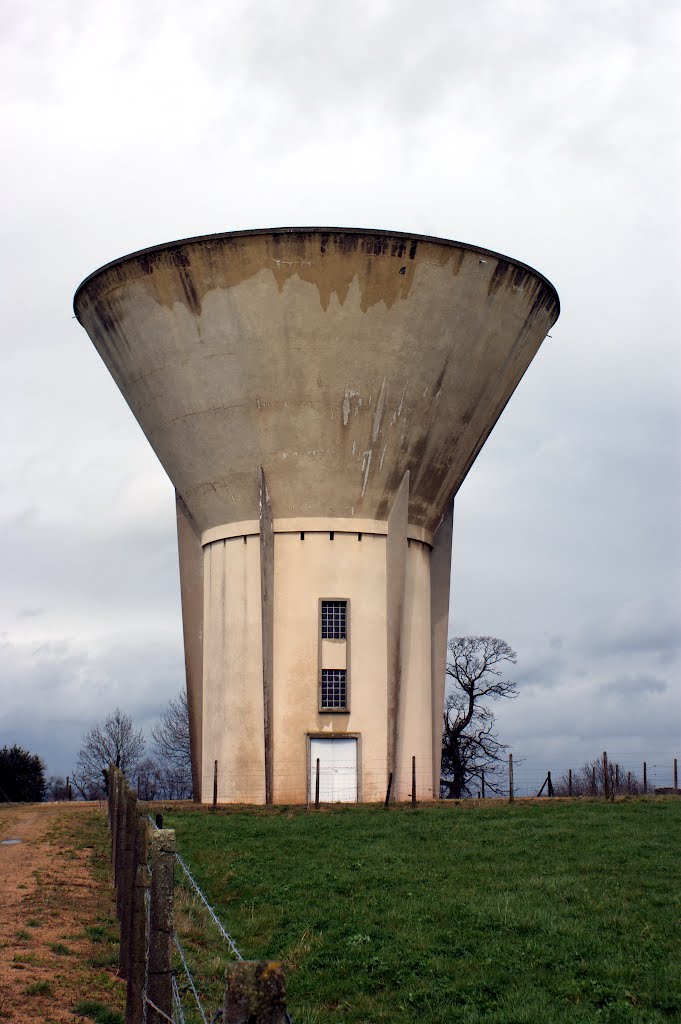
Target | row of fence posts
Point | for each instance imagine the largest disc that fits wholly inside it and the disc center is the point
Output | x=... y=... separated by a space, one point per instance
x=143 y=862
x=316 y=785
x=611 y=785
x=611 y=780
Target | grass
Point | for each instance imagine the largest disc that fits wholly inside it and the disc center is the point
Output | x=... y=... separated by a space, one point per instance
x=39 y=988
x=59 y=948
x=503 y=914
x=98 y=1012
x=89 y=965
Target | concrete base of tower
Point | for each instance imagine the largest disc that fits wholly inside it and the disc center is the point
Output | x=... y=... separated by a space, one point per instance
x=332 y=665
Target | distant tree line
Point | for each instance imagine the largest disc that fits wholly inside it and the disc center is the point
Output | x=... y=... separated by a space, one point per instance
x=591 y=778
x=163 y=772
x=22 y=776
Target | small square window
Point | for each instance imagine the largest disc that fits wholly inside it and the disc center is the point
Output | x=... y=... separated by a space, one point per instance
x=334 y=620
x=334 y=688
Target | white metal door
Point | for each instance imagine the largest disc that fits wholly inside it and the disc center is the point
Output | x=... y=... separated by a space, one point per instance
x=337 y=768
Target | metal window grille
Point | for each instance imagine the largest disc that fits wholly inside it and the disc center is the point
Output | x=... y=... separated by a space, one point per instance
x=334 y=688
x=334 y=620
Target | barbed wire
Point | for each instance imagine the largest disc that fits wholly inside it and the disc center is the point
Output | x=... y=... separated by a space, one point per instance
x=177 y=1003
x=221 y=928
x=189 y=979
x=199 y=892
x=159 y=1011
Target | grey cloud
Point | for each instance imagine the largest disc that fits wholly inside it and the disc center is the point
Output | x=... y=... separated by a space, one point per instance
x=634 y=686
x=543 y=131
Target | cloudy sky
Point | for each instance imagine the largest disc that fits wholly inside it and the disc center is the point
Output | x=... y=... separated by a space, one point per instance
x=548 y=131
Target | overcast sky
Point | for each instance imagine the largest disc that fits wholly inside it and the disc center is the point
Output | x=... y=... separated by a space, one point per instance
x=548 y=131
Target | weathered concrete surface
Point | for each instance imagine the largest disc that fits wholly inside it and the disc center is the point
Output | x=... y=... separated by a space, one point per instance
x=440 y=576
x=190 y=552
x=333 y=364
x=255 y=993
x=337 y=360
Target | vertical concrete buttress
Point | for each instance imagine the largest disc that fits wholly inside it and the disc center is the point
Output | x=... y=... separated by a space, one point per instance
x=395 y=577
x=267 y=598
x=191 y=590
x=440 y=572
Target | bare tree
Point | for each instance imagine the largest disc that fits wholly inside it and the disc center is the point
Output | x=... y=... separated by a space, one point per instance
x=56 y=788
x=114 y=741
x=589 y=780
x=469 y=744
x=171 y=743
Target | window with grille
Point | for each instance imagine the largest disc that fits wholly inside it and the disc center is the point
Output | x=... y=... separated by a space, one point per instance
x=334 y=620
x=334 y=688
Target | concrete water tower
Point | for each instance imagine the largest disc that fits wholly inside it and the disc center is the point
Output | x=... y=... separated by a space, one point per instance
x=316 y=396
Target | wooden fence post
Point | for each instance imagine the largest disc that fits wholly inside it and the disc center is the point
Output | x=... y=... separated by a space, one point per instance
x=114 y=820
x=159 y=971
x=549 y=791
x=569 y=781
x=645 y=777
x=255 y=993
x=413 y=780
x=510 y=779
x=215 y=784
x=483 y=783
x=120 y=842
x=390 y=786
x=110 y=796
x=316 y=787
x=127 y=880
x=617 y=778
x=134 y=1007
x=606 y=787
x=676 y=776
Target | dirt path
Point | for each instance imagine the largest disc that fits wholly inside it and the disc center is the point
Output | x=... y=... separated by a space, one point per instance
x=57 y=936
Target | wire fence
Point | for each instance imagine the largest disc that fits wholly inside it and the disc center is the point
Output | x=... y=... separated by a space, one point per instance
x=358 y=778
x=161 y=985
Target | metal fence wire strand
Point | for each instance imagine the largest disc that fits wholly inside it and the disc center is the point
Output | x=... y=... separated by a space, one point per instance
x=221 y=928
x=148 y=1002
x=197 y=889
x=178 y=1013
x=189 y=979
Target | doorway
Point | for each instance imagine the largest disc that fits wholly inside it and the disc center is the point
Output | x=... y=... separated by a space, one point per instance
x=337 y=768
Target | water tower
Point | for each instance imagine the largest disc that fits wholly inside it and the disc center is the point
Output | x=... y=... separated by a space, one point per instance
x=317 y=396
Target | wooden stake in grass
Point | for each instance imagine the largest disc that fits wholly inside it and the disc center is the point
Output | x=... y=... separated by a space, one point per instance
x=676 y=776
x=128 y=880
x=413 y=781
x=121 y=808
x=645 y=777
x=605 y=776
x=316 y=787
x=510 y=779
x=390 y=786
x=255 y=993
x=159 y=972
x=134 y=1006
x=569 y=781
x=215 y=784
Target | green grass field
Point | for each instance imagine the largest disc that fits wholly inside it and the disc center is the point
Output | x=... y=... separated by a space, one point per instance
x=531 y=913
